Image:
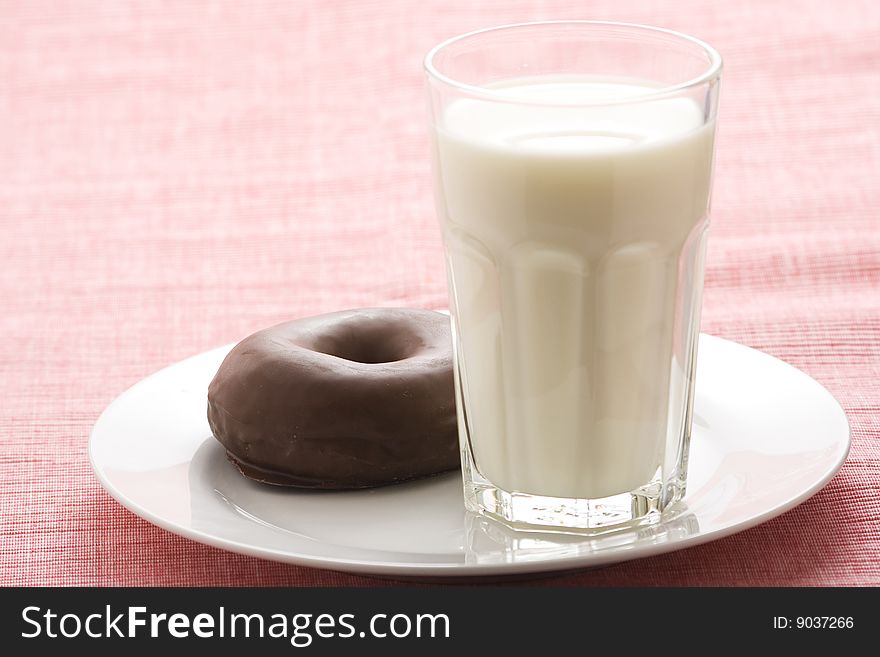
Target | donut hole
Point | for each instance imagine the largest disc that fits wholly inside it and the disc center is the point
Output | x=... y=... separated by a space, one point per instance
x=369 y=354
x=370 y=345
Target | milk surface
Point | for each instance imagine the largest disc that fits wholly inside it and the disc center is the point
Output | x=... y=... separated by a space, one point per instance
x=572 y=235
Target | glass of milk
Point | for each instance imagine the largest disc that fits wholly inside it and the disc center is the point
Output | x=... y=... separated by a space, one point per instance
x=573 y=165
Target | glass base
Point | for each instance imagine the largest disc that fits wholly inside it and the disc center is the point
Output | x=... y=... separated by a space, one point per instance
x=527 y=512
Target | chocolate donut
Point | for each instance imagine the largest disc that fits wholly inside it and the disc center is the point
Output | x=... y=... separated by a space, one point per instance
x=351 y=399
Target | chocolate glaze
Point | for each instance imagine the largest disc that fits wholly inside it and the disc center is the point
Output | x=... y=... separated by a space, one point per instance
x=351 y=399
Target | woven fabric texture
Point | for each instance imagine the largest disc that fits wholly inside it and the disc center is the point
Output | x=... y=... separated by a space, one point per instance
x=176 y=175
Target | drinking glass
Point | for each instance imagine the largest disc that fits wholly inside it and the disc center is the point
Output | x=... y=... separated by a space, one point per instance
x=572 y=165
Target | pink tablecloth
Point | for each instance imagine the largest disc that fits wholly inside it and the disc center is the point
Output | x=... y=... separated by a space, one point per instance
x=176 y=175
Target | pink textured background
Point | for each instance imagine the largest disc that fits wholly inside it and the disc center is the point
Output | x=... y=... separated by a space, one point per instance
x=176 y=175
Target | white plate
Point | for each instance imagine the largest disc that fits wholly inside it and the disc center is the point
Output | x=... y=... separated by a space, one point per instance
x=766 y=437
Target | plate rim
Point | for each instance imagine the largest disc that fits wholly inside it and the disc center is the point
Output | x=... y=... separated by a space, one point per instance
x=458 y=570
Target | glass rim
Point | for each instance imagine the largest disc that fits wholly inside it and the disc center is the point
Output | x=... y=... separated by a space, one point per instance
x=712 y=72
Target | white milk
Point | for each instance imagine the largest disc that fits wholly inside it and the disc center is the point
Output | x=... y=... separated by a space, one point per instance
x=569 y=235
